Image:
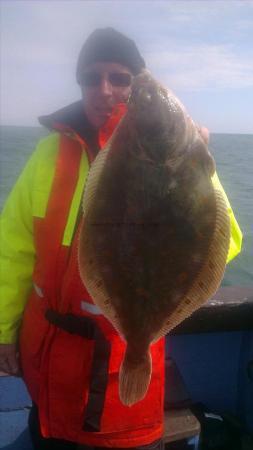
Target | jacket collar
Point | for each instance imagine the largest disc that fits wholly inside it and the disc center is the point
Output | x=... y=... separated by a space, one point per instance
x=72 y=118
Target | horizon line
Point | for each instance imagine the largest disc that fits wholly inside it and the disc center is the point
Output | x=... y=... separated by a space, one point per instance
x=44 y=128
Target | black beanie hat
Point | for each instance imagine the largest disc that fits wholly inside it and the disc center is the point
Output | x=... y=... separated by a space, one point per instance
x=109 y=45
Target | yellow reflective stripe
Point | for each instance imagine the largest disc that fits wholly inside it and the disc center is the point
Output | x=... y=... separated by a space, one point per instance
x=83 y=172
x=236 y=234
x=46 y=155
x=38 y=290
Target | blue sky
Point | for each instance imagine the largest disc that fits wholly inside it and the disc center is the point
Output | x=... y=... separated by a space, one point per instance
x=202 y=50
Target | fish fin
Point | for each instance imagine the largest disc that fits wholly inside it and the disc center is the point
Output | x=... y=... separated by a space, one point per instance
x=95 y=284
x=209 y=278
x=95 y=172
x=86 y=259
x=134 y=378
x=93 y=177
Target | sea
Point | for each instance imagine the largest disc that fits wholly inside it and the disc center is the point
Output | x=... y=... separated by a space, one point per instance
x=233 y=154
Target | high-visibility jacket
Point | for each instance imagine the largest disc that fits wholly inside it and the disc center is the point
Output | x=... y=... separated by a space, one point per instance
x=65 y=370
x=70 y=353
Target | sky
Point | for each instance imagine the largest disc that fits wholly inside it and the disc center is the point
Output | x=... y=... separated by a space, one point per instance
x=202 y=50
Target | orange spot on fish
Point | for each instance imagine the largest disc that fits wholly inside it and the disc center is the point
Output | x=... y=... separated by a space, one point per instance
x=182 y=277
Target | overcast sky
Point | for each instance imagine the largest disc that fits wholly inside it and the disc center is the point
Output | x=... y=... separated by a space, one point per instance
x=203 y=50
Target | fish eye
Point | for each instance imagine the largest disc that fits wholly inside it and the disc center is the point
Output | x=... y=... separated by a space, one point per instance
x=145 y=96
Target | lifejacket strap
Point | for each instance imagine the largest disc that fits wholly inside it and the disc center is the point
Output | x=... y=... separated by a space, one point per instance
x=87 y=328
x=82 y=326
x=98 y=383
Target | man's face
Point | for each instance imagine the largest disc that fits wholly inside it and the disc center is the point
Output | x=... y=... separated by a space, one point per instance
x=103 y=86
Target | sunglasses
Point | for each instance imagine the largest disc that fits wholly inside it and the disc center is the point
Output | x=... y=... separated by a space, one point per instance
x=117 y=79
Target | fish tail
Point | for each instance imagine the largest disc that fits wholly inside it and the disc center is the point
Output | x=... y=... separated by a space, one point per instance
x=134 y=377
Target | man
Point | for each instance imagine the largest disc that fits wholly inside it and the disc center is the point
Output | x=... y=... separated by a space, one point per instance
x=70 y=355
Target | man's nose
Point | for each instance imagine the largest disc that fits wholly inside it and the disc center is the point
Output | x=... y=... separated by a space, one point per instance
x=105 y=86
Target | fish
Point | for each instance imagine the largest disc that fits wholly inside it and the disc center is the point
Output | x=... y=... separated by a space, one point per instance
x=155 y=232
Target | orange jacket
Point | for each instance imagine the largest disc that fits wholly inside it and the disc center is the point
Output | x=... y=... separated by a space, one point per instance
x=70 y=353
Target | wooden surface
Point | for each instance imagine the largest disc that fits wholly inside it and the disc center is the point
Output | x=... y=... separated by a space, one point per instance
x=180 y=424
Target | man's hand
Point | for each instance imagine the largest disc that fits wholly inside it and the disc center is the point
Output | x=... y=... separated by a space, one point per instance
x=9 y=359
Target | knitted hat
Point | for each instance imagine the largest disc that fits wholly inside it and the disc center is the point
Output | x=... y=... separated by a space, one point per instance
x=108 y=45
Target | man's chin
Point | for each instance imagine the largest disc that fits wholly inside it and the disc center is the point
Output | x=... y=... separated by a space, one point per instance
x=100 y=119
x=98 y=116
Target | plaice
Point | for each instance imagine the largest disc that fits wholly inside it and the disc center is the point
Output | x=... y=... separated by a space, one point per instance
x=155 y=233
